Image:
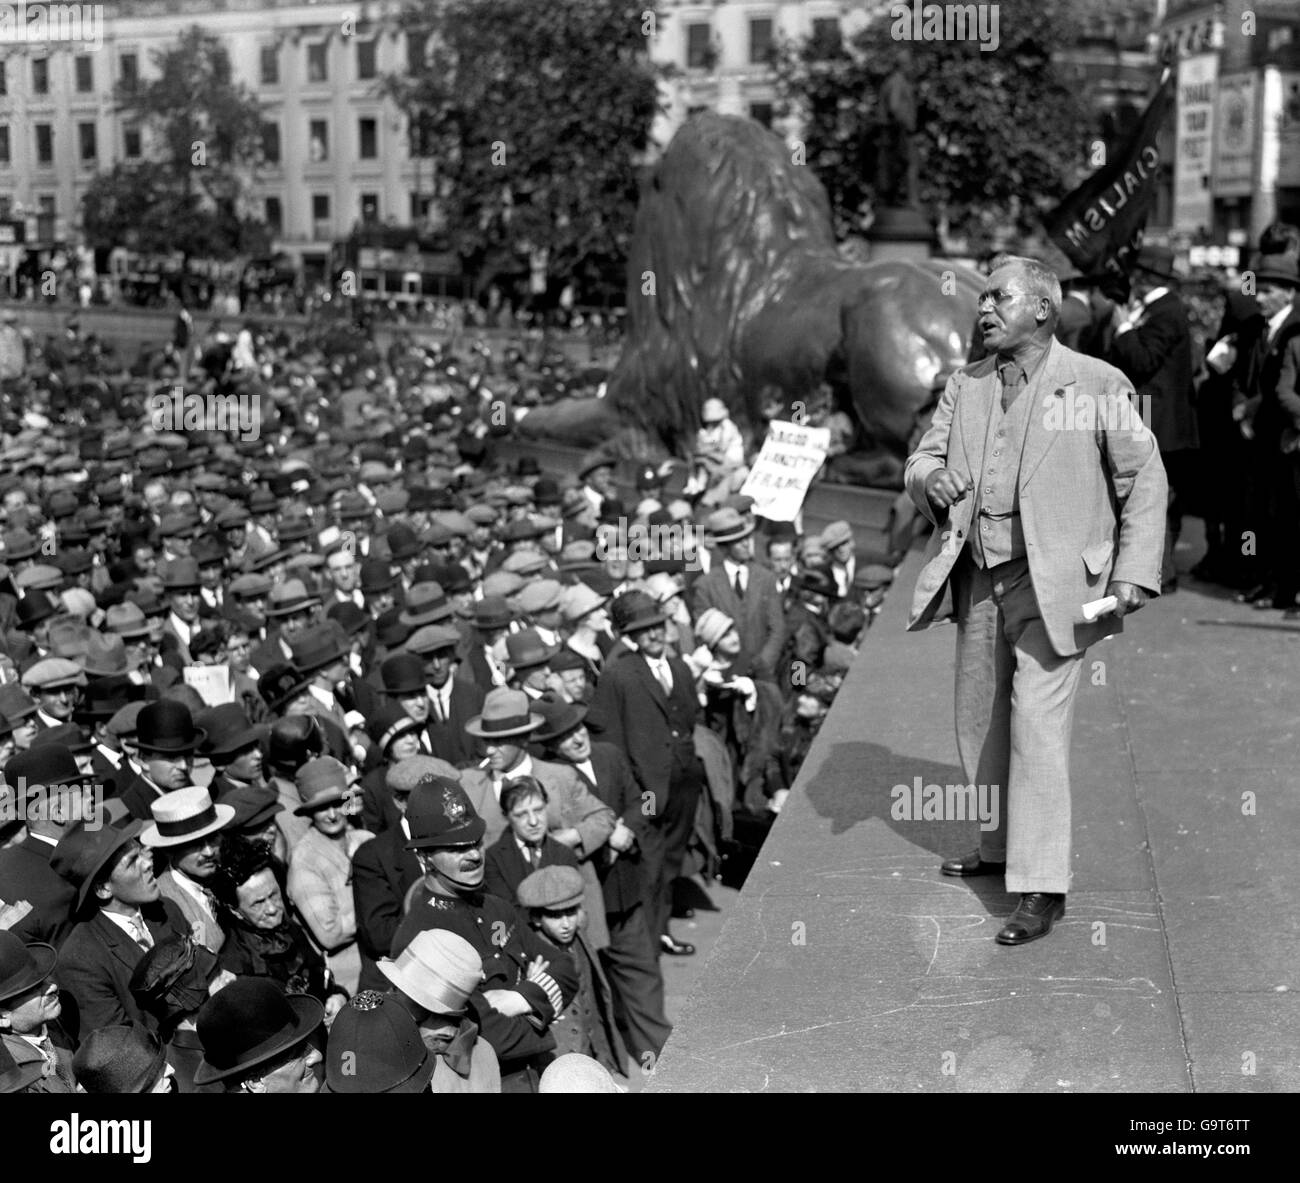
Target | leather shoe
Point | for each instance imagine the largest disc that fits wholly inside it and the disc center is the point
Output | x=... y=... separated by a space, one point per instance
x=971 y=864
x=1033 y=918
x=676 y=948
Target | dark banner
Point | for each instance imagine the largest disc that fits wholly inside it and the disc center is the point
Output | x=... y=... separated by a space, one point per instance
x=1099 y=225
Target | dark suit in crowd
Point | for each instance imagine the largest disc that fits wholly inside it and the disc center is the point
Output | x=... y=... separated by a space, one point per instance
x=382 y=873
x=25 y=874
x=759 y=614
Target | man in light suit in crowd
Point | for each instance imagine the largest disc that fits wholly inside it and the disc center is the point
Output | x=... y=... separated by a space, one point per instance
x=1038 y=509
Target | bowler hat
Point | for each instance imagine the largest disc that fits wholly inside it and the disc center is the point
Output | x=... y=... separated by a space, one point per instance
x=33 y=607
x=44 y=765
x=403 y=673
x=492 y=612
x=402 y=542
x=351 y=619
x=184 y=815
x=168 y=726
x=294 y=740
x=505 y=714
x=376 y=576
x=395 y=1059
x=817 y=580
x=634 y=611
x=83 y=853
x=23 y=966
x=122 y=1059
x=592 y=461
x=249 y=1022
x=440 y=814
x=438 y=970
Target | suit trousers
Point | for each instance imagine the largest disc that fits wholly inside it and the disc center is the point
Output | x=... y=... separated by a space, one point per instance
x=663 y=847
x=1015 y=712
x=631 y=964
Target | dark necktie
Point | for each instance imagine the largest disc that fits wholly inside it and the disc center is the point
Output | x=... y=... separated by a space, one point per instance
x=739 y=586
x=1011 y=385
x=534 y=857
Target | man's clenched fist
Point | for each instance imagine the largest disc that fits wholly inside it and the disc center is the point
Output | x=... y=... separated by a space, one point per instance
x=944 y=488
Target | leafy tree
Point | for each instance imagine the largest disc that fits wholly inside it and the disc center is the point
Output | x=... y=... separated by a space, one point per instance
x=538 y=116
x=1000 y=133
x=204 y=134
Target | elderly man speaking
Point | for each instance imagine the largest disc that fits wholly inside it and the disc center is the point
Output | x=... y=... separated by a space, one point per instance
x=1047 y=492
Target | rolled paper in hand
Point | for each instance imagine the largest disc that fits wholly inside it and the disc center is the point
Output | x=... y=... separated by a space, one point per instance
x=1095 y=608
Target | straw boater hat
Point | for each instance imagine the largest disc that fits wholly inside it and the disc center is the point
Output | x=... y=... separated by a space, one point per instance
x=184 y=815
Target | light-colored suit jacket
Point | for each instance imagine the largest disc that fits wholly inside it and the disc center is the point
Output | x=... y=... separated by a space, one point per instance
x=1093 y=491
x=203 y=928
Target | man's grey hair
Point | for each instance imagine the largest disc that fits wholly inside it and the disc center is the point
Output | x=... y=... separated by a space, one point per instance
x=1040 y=280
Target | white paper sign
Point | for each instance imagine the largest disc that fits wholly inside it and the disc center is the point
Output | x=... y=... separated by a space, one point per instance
x=213 y=682
x=779 y=479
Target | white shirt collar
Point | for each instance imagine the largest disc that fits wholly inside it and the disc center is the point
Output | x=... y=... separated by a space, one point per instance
x=1153 y=295
x=182 y=630
x=192 y=889
x=523 y=768
x=42 y=837
x=1276 y=321
x=587 y=770
x=127 y=923
x=323 y=696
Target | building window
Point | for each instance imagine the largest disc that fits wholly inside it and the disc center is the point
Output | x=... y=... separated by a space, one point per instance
x=415 y=46
x=4 y=144
x=317 y=66
x=45 y=217
x=269 y=65
x=320 y=215
x=318 y=140
x=761 y=113
x=826 y=37
x=130 y=65
x=274 y=215
x=421 y=204
x=366 y=58
x=760 y=40
x=369 y=129
x=131 y=143
x=699 y=47
x=86 y=141
x=85 y=74
x=271 y=142
x=41 y=76
x=370 y=207
x=4 y=78
x=44 y=144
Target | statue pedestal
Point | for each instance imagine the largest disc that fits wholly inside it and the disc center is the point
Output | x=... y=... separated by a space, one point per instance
x=901 y=233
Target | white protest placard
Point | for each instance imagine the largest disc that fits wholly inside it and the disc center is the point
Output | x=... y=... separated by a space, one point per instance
x=790 y=458
x=213 y=682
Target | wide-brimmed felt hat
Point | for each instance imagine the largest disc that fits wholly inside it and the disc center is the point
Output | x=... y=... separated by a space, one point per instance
x=505 y=713
x=492 y=612
x=289 y=597
x=105 y=656
x=83 y=853
x=439 y=970
x=254 y=806
x=23 y=966
x=168 y=726
x=559 y=718
x=184 y=815
x=592 y=461
x=122 y=1059
x=280 y=683
x=126 y=620
x=525 y=650
x=249 y=1022
x=1276 y=268
x=577 y=600
x=320 y=646
x=395 y=1059
x=179 y=574
x=426 y=603
x=228 y=730
x=1155 y=260
x=439 y=814
x=728 y=525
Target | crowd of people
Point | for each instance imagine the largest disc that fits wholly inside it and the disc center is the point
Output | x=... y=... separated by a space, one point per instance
x=1223 y=402
x=337 y=752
